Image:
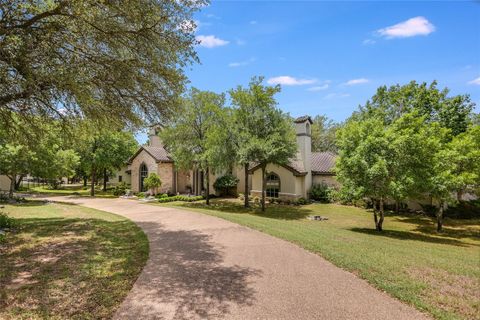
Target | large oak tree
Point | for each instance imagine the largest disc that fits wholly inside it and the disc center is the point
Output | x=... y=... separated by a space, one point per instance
x=118 y=61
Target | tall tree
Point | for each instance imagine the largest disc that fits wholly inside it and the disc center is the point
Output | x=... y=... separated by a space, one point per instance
x=261 y=132
x=116 y=61
x=435 y=105
x=324 y=134
x=187 y=134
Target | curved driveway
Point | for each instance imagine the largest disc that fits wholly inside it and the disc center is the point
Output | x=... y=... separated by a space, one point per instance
x=202 y=267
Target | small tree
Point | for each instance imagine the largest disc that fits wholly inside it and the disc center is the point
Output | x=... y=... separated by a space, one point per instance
x=152 y=182
x=225 y=184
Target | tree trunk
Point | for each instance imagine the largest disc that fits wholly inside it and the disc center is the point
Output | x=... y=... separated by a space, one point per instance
x=382 y=216
x=375 y=217
x=263 y=187
x=208 y=187
x=246 y=203
x=440 y=216
x=397 y=206
x=12 y=185
x=459 y=195
x=104 y=179
x=92 y=185
x=84 y=181
x=19 y=181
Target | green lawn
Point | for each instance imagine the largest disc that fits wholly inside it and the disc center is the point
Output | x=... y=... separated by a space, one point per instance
x=65 y=190
x=437 y=273
x=65 y=261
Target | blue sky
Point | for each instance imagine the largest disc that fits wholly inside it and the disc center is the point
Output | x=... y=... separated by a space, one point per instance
x=331 y=56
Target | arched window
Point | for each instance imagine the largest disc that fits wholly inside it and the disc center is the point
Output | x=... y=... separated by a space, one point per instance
x=273 y=185
x=143 y=175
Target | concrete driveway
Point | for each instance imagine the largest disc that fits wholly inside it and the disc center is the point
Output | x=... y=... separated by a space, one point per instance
x=202 y=267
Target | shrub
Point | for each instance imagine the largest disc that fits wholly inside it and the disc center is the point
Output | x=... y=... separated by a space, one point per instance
x=464 y=210
x=141 y=194
x=322 y=192
x=180 y=198
x=241 y=196
x=301 y=201
x=256 y=199
x=120 y=189
x=5 y=221
x=161 y=196
x=225 y=184
x=152 y=182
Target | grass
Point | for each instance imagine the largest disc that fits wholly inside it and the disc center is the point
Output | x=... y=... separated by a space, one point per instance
x=65 y=190
x=67 y=262
x=437 y=273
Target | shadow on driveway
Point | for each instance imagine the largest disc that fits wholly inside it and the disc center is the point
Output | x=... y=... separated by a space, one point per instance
x=186 y=278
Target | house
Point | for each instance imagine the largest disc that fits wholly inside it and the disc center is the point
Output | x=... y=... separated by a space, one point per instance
x=291 y=181
x=294 y=180
x=154 y=158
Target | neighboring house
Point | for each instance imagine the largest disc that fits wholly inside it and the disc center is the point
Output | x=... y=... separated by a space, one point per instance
x=294 y=180
x=291 y=181
x=4 y=183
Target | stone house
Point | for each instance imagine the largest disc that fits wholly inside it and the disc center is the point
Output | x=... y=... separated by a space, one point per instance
x=291 y=181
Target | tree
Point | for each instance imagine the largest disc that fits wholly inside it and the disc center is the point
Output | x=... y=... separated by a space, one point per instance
x=364 y=162
x=324 y=134
x=187 y=134
x=113 y=61
x=262 y=133
x=456 y=167
x=152 y=182
x=44 y=155
x=102 y=150
x=389 y=104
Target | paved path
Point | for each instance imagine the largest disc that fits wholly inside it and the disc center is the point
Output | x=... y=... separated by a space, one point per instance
x=202 y=267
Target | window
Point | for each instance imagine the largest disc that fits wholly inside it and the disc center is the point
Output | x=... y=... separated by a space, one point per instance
x=143 y=175
x=273 y=185
x=120 y=178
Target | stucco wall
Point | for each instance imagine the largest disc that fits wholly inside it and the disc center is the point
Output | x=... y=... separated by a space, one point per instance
x=135 y=167
x=4 y=183
x=290 y=186
x=329 y=180
x=183 y=181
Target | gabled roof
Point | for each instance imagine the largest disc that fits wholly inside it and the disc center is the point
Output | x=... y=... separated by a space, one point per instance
x=157 y=153
x=303 y=119
x=295 y=166
x=323 y=162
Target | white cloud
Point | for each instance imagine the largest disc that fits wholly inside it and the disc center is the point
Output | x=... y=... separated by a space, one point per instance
x=475 y=81
x=336 y=95
x=290 y=81
x=356 y=81
x=211 y=41
x=319 y=88
x=368 y=41
x=418 y=26
x=241 y=63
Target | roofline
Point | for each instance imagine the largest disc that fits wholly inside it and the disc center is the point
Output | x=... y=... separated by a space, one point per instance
x=323 y=173
x=295 y=172
x=151 y=155
x=308 y=118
